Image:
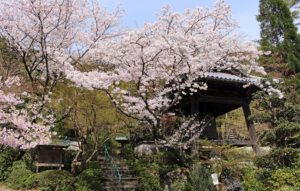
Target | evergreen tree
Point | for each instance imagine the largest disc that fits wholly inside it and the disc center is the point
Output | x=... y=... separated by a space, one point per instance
x=293 y=4
x=279 y=35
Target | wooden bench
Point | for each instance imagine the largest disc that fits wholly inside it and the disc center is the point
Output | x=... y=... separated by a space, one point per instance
x=48 y=165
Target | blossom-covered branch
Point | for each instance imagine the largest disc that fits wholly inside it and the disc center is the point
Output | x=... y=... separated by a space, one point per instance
x=26 y=127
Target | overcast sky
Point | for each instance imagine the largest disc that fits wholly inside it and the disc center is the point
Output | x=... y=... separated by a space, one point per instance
x=138 y=11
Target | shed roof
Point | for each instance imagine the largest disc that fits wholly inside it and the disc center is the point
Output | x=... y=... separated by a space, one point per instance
x=58 y=142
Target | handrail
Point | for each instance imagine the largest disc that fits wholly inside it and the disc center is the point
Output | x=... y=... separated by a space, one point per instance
x=110 y=160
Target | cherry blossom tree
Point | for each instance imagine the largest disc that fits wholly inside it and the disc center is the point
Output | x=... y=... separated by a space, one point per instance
x=44 y=35
x=23 y=128
x=162 y=61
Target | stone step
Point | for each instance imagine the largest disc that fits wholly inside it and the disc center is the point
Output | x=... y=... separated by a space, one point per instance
x=121 y=171
x=116 y=175
x=123 y=183
x=124 y=179
x=119 y=168
x=129 y=181
x=117 y=163
x=122 y=188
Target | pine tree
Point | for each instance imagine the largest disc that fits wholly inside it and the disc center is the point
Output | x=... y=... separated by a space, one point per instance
x=294 y=4
x=279 y=35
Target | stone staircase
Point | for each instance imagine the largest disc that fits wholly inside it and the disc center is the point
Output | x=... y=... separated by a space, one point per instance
x=129 y=181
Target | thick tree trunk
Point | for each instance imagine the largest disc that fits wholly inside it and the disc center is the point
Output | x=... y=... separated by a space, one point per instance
x=75 y=163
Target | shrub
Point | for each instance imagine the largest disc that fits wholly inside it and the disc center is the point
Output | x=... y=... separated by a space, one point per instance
x=18 y=177
x=90 y=178
x=269 y=180
x=278 y=158
x=52 y=179
x=146 y=169
x=201 y=179
x=6 y=161
x=150 y=168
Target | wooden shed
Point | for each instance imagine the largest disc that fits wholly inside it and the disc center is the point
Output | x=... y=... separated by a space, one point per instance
x=50 y=155
x=225 y=93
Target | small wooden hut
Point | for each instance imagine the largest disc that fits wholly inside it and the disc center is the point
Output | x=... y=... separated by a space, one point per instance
x=225 y=93
x=122 y=140
x=50 y=155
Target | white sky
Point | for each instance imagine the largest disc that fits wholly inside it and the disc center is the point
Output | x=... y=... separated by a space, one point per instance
x=138 y=11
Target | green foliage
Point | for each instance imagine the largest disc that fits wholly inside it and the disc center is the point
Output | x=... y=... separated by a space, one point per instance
x=17 y=174
x=294 y=4
x=224 y=157
x=233 y=121
x=6 y=161
x=151 y=168
x=53 y=179
x=30 y=158
x=67 y=158
x=279 y=35
x=276 y=169
x=284 y=135
x=17 y=178
x=271 y=180
x=279 y=158
x=201 y=178
x=90 y=178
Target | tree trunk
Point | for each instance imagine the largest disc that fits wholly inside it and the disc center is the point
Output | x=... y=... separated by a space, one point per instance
x=73 y=169
x=156 y=146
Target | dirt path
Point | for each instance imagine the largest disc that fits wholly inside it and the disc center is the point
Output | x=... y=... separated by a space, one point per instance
x=2 y=188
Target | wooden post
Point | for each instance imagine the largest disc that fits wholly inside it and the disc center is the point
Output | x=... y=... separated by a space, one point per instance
x=251 y=128
x=195 y=110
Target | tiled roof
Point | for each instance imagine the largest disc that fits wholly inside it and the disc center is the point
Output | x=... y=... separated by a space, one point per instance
x=227 y=77
x=59 y=142
x=222 y=76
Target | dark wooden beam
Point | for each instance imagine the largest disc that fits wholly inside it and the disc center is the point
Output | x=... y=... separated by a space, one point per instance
x=251 y=128
x=221 y=100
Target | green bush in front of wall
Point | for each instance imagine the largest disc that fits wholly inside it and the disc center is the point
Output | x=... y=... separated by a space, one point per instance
x=18 y=177
x=6 y=161
x=52 y=179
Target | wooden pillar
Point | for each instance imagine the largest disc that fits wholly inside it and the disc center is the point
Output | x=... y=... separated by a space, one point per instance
x=251 y=128
x=195 y=110
x=60 y=158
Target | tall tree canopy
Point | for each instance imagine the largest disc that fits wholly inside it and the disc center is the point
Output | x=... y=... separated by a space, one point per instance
x=279 y=35
x=293 y=4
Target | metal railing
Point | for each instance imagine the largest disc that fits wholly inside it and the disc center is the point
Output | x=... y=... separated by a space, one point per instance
x=110 y=160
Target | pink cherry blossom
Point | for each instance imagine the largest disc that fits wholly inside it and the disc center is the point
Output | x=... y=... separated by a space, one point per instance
x=21 y=127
